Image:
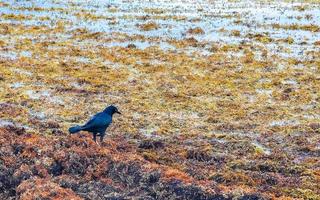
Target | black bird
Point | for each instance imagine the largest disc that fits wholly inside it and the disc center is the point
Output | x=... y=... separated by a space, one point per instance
x=98 y=123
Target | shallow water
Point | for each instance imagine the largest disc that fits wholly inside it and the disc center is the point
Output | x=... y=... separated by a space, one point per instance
x=254 y=18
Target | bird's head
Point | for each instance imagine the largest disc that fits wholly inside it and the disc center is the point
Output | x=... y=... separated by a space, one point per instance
x=111 y=110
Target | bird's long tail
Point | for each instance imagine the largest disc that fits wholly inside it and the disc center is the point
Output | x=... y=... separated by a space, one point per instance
x=75 y=129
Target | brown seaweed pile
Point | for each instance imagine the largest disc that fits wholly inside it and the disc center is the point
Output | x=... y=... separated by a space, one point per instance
x=67 y=167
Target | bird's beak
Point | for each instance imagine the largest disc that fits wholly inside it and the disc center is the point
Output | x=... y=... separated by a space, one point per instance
x=118 y=112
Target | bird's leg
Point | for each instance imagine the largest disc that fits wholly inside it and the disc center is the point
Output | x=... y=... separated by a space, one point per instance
x=102 y=136
x=95 y=137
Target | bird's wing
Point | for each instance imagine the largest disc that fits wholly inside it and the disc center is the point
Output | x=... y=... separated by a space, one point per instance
x=95 y=121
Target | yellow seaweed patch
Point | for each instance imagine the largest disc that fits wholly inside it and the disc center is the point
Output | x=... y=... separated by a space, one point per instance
x=154 y=10
x=15 y=17
x=89 y=16
x=149 y=26
x=311 y=27
x=196 y=30
x=260 y=37
x=235 y=33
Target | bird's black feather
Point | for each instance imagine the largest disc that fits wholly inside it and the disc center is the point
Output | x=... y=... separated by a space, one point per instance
x=98 y=123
